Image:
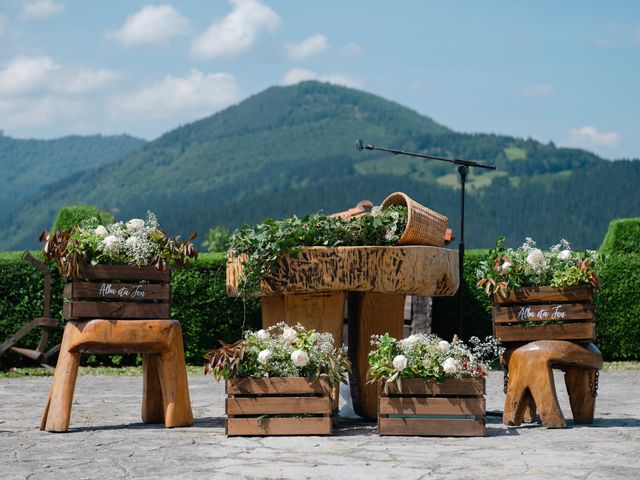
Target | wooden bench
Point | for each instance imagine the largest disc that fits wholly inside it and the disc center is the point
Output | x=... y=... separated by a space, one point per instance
x=531 y=384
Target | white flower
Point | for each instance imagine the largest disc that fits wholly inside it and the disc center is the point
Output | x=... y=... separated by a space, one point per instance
x=264 y=356
x=262 y=335
x=376 y=211
x=536 y=258
x=109 y=242
x=564 y=255
x=450 y=365
x=400 y=362
x=101 y=231
x=409 y=342
x=135 y=224
x=289 y=334
x=506 y=267
x=131 y=241
x=444 y=346
x=299 y=358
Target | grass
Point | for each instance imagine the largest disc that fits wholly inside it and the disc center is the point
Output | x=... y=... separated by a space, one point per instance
x=198 y=370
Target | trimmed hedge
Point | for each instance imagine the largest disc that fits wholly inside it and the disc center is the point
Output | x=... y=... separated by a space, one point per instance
x=623 y=237
x=198 y=294
x=73 y=215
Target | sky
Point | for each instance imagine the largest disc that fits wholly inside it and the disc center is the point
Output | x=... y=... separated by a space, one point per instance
x=566 y=72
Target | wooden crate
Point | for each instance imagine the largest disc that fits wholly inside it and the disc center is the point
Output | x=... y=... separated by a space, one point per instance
x=544 y=313
x=455 y=408
x=279 y=406
x=118 y=292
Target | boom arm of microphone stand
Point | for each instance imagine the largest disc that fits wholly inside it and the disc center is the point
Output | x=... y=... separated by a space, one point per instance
x=457 y=161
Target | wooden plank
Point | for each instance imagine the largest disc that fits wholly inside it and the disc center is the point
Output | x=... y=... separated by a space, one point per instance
x=323 y=312
x=279 y=426
x=451 y=386
x=116 y=310
x=542 y=313
x=278 y=405
x=272 y=310
x=579 y=293
x=431 y=427
x=419 y=270
x=555 y=331
x=431 y=406
x=127 y=291
x=276 y=385
x=124 y=272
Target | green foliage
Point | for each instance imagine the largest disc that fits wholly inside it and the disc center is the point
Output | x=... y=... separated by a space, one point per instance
x=72 y=215
x=623 y=236
x=270 y=239
x=218 y=239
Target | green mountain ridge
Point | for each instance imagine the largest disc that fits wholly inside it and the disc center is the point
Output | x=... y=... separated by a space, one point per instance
x=291 y=150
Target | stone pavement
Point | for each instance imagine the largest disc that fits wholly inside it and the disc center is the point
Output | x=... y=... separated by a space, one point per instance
x=107 y=440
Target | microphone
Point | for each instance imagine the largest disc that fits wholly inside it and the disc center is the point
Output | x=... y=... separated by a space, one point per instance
x=359 y=145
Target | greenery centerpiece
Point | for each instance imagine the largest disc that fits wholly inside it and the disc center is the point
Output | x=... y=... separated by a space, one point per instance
x=430 y=358
x=505 y=269
x=261 y=245
x=136 y=242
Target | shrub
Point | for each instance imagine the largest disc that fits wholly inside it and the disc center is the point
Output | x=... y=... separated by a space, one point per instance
x=73 y=215
x=623 y=236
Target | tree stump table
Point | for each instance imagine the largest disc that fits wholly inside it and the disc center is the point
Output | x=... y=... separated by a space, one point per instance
x=311 y=288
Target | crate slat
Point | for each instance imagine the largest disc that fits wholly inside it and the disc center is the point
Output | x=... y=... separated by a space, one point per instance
x=432 y=427
x=546 y=294
x=540 y=313
x=553 y=331
x=276 y=385
x=431 y=406
x=124 y=272
x=77 y=290
x=451 y=386
x=279 y=426
x=116 y=310
x=278 y=405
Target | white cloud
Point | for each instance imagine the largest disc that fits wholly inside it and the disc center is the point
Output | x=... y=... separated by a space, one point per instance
x=311 y=46
x=151 y=24
x=27 y=112
x=542 y=90
x=590 y=137
x=236 y=32
x=194 y=95
x=85 y=80
x=296 y=75
x=351 y=49
x=40 y=9
x=25 y=74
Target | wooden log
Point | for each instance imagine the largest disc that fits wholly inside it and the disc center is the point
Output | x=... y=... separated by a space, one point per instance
x=419 y=270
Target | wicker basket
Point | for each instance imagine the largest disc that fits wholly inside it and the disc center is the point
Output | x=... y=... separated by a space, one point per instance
x=424 y=226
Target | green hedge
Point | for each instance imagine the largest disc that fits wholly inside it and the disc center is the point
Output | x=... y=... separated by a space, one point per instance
x=73 y=215
x=623 y=237
x=199 y=301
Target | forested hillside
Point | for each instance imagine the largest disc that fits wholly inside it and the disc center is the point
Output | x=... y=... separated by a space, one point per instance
x=291 y=150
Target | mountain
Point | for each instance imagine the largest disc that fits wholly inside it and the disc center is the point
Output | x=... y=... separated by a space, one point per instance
x=291 y=150
x=28 y=165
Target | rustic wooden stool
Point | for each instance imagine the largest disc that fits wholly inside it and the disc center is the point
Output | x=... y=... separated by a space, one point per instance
x=165 y=391
x=531 y=384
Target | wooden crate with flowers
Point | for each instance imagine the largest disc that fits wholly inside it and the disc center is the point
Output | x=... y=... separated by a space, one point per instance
x=540 y=295
x=429 y=386
x=280 y=381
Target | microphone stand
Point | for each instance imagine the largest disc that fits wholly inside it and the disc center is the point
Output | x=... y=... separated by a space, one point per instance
x=463 y=169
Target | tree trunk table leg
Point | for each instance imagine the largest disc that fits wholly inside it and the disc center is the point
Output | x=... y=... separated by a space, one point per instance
x=58 y=411
x=152 y=402
x=172 y=372
x=529 y=415
x=582 y=400
x=372 y=314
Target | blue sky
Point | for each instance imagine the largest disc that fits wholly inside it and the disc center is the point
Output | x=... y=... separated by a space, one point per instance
x=565 y=72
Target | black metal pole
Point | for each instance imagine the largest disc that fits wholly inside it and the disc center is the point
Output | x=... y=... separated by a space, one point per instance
x=462 y=170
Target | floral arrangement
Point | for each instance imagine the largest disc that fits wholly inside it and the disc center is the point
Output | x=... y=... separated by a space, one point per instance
x=266 y=241
x=430 y=358
x=136 y=242
x=280 y=351
x=528 y=266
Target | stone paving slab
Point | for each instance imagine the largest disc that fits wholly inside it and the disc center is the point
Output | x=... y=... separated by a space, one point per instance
x=107 y=440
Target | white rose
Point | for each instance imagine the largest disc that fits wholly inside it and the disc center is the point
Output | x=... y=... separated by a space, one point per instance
x=109 y=242
x=400 y=362
x=135 y=224
x=262 y=335
x=564 y=255
x=131 y=241
x=409 y=342
x=101 y=231
x=264 y=356
x=506 y=267
x=450 y=365
x=289 y=334
x=536 y=258
x=444 y=346
x=299 y=358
